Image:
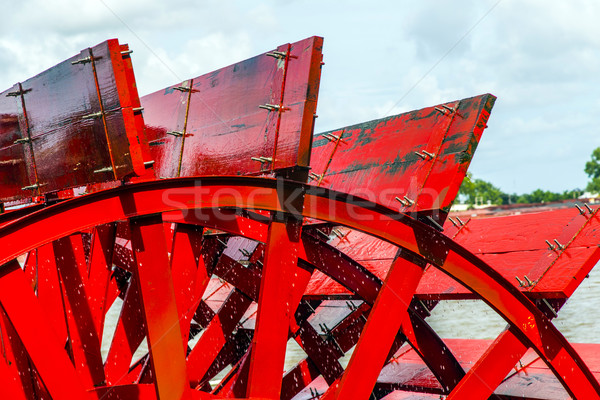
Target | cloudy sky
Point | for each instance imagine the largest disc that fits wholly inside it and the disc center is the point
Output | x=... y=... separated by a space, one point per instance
x=540 y=58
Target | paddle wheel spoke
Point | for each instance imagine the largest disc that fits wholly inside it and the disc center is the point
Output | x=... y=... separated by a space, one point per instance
x=48 y=357
x=159 y=308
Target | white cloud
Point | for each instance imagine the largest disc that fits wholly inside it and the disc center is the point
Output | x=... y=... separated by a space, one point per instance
x=540 y=58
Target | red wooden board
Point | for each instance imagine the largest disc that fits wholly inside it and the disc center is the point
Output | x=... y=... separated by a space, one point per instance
x=14 y=168
x=513 y=245
x=213 y=124
x=379 y=160
x=76 y=125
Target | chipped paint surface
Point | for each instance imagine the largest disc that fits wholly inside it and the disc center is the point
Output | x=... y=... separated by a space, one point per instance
x=423 y=155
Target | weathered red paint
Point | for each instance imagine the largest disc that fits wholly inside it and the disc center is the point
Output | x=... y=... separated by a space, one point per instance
x=422 y=155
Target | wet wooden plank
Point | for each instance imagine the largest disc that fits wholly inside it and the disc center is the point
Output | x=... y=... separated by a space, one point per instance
x=77 y=125
x=422 y=155
x=213 y=125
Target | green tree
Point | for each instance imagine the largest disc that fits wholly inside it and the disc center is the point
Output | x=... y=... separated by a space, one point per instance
x=478 y=191
x=592 y=169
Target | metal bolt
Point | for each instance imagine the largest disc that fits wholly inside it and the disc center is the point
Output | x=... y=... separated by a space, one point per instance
x=93 y=115
x=552 y=310
x=105 y=169
x=23 y=140
x=580 y=209
x=31 y=187
x=529 y=282
x=148 y=163
x=314 y=176
x=409 y=201
x=270 y=107
x=332 y=138
x=182 y=88
x=338 y=233
x=460 y=221
x=521 y=283
x=175 y=133
x=137 y=109
x=320 y=232
x=453 y=222
x=277 y=54
x=82 y=61
x=245 y=252
x=550 y=245
x=448 y=108
x=262 y=159
x=588 y=207
x=126 y=52
x=403 y=202
x=17 y=93
x=560 y=246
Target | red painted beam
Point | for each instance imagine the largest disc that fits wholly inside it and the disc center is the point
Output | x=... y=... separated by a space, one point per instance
x=159 y=307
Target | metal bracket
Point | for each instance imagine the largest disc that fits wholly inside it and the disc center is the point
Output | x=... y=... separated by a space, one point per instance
x=406 y=202
x=93 y=115
x=333 y=138
x=262 y=159
x=85 y=60
x=31 y=187
x=22 y=141
x=272 y=107
x=105 y=169
x=17 y=93
x=279 y=54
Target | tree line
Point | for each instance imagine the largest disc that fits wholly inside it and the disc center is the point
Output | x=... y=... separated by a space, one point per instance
x=477 y=191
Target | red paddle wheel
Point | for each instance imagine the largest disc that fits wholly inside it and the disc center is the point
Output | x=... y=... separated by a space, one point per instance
x=175 y=246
